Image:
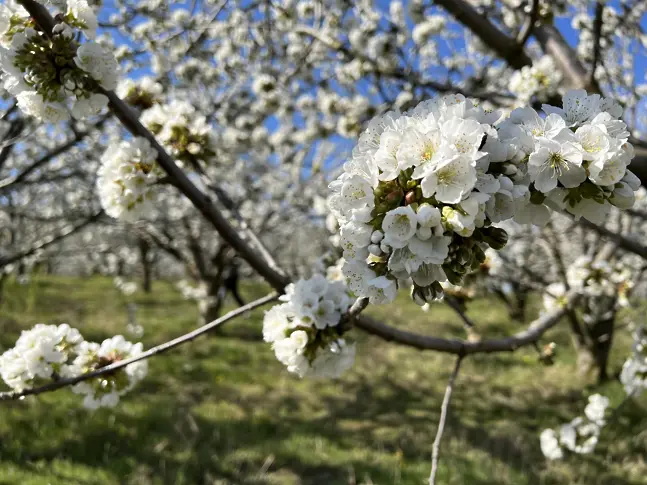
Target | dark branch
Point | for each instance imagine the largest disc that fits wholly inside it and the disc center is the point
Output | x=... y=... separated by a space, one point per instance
x=504 y=46
x=461 y=347
x=49 y=240
x=597 y=36
x=529 y=25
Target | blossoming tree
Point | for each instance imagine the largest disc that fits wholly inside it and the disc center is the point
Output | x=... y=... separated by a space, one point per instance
x=244 y=111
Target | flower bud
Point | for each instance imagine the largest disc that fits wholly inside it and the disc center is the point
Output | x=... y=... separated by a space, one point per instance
x=437 y=288
x=495 y=237
x=479 y=254
x=428 y=215
x=423 y=233
x=537 y=198
x=394 y=198
x=509 y=169
x=463 y=255
x=376 y=237
x=452 y=277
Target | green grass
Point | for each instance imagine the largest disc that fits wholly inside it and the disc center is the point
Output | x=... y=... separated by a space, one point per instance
x=222 y=410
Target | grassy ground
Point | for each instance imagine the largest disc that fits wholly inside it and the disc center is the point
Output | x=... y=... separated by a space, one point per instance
x=223 y=411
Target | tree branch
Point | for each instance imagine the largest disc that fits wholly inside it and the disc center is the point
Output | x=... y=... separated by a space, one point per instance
x=49 y=240
x=597 y=34
x=455 y=305
x=461 y=347
x=528 y=27
x=623 y=242
x=444 y=409
x=504 y=46
x=79 y=136
x=53 y=386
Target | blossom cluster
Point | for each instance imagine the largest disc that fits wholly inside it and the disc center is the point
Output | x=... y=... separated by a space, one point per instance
x=604 y=284
x=190 y=292
x=53 y=75
x=125 y=178
x=47 y=353
x=106 y=390
x=306 y=330
x=142 y=93
x=127 y=288
x=576 y=157
x=634 y=370
x=423 y=189
x=183 y=131
x=540 y=80
x=580 y=435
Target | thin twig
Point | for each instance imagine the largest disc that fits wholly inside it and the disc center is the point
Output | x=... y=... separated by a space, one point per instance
x=456 y=306
x=12 y=395
x=441 y=424
x=50 y=239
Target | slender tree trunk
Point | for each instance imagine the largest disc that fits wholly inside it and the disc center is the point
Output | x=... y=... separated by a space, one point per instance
x=147 y=264
x=3 y=279
x=121 y=268
x=210 y=307
x=593 y=348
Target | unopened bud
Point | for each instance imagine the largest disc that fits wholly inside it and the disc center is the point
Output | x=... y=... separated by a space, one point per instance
x=537 y=198
x=394 y=197
x=452 y=276
x=495 y=237
x=410 y=198
x=376 y=237
x=463 y=255
x=423 y=233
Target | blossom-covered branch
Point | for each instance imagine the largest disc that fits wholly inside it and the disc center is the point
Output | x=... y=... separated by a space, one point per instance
x=121 y=364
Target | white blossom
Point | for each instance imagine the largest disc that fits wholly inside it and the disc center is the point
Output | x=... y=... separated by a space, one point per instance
x=303 y=330
x=125 y=179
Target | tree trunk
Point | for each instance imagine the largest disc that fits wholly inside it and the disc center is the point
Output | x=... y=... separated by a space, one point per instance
x=3 y=279
x=517 y=309
x=147 y=264
x=593 y=348
x=209 y=308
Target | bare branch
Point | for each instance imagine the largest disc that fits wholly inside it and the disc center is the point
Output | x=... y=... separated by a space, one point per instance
x=79 y=136
x=49 y=240
x=529 y=25
x=53 y=386
x=504 y=46
x=455 y=305
x=597 y=34
x=461 y=347
x=399 y=74
x=444 y=409
x=627 y=244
